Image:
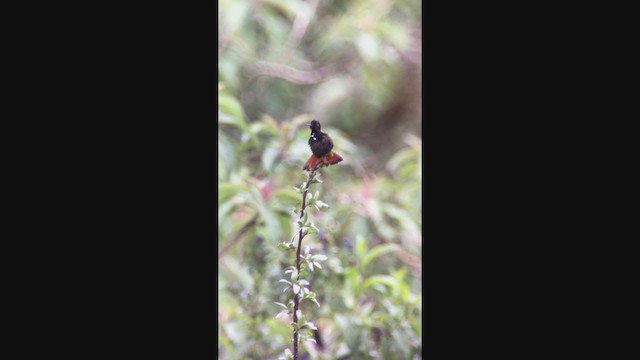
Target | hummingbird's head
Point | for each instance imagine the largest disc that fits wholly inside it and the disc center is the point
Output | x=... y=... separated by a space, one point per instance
x=314 y=125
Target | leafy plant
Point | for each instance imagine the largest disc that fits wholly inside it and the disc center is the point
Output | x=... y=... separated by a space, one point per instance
x=352 y=64
x=302 y=328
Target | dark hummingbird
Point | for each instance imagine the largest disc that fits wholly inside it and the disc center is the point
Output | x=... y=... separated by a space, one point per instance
x=321 y=147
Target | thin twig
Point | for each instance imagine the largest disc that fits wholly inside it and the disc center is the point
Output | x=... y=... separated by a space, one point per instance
x=300 y=236
x=296 y=76
x=301 y=22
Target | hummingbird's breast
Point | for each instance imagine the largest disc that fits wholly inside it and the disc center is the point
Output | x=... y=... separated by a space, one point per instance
x=320 y=144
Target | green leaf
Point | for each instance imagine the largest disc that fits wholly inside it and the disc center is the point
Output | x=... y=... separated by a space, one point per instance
x=387 y=280
x=227 y=345
x=282 y=305
x=290 y=8
x=405 y=292
x=377 y=251
x=401 y=159
x=293 y=271
x=312 y=229
x=261 y=127
x=227 y=190
x=227 y=154
x=286 y=246
x=400 y=274
x=354 y=281
x=274 y=232
x=228 y=71
x=361 y=247
x=269 y=156
x=310 y=295
x=229 y=106
x=319 y=257
x=395 y=34
x=234 y=14
x=226 y=208
x=281 y=314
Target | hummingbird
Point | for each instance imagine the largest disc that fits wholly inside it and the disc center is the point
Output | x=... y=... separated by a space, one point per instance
x=321 y=146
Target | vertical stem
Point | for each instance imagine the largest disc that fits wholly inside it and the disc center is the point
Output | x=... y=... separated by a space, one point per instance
x=300 y=236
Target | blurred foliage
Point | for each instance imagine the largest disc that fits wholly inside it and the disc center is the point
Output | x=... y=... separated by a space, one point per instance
x=353 y=66
x=350 y=62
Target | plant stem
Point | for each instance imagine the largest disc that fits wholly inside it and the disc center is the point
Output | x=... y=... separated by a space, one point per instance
x=300 y=236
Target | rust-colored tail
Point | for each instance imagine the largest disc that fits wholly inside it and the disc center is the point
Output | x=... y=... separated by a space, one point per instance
x=311 y=163
x=329 y=159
